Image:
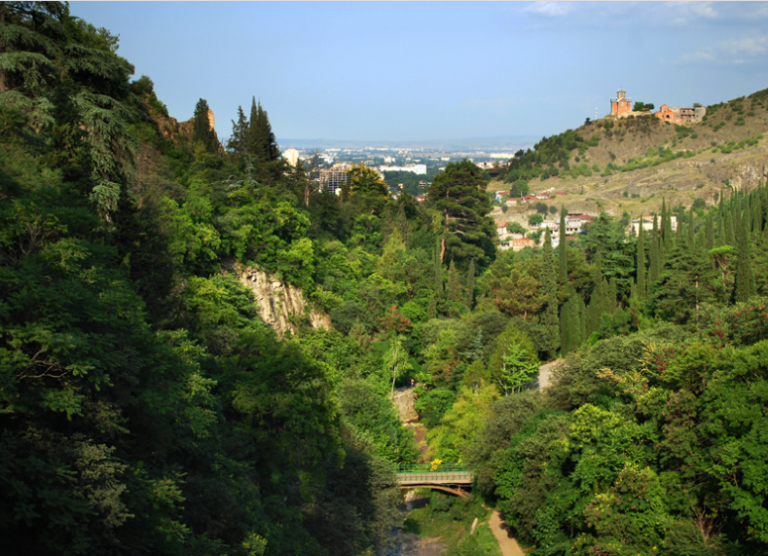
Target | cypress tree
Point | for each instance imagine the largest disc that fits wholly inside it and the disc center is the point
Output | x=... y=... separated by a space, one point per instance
x=470 y=284
x=709 y=232
x=548 y=281
x=438 y=270
x=655 y=269
x=453 y=288
x=563 y=258
x=565 y=327
x=745 y=277
x=641 y=287
x=261 y=141
x=730 y=238
x=691 y=229
x=595 y=309
x=238 y=141
x=201 y=128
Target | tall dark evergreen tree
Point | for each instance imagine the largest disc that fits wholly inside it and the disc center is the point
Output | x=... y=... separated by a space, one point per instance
x=437 y=267
x=470 y=289
x=261 y=141
x=561 y=249
x=655 y=269
x=548 y=281
x=201 y=128
x=640 y=260
x=458 y=194
x=745 y=276
x=453 y=289
x=238 y=141
x=709 y=232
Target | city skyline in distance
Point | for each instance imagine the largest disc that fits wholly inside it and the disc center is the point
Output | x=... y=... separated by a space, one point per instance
x=407 y=71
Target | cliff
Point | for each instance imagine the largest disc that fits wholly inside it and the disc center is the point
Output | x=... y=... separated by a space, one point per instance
x=280 y=305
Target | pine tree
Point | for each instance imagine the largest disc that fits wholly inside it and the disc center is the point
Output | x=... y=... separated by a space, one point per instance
x=548 y=281
x=458 y=194
x=640 y=273
x=561 y=248
x=470 y=291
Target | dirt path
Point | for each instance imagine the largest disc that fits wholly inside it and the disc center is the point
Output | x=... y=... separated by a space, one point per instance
x=420 y=433
x=545 y=372
x=507 y=544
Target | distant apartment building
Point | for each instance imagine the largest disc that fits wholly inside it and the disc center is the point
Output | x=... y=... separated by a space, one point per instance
x=415 y=168
x=291 y=156
x=681 y=116
x=332 y=179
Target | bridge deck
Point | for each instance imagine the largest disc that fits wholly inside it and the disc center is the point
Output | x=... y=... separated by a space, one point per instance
x=436 y=478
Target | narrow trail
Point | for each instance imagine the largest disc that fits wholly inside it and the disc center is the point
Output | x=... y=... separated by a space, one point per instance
x=412 y=545
x=545 y=373
x=507 y=544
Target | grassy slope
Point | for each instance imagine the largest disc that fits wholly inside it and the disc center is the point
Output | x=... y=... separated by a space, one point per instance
x=681 y=180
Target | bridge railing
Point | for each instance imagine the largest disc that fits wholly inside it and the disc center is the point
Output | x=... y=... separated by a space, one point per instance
x=430 y=468
x=427 y=473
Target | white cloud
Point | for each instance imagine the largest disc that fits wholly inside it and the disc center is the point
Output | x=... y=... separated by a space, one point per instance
x=750 y=45
x=686 y=12
x=550 y=9
x=735 y=51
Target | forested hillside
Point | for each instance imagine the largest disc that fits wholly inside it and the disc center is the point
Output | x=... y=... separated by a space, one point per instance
x=145 y=408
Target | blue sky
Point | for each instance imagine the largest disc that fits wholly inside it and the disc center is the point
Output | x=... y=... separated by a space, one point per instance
x=405 y=71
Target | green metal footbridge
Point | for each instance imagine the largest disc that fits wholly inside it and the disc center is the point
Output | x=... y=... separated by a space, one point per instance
x=447 y=477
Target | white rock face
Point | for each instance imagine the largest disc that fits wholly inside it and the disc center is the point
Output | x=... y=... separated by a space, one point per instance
x=280 y=305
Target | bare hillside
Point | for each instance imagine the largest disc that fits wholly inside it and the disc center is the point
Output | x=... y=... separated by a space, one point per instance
x=629 y=165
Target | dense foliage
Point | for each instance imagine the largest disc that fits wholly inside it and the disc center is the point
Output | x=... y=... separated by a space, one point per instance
x=145 y=407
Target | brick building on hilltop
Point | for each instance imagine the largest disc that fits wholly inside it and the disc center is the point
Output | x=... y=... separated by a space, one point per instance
x=621 y=104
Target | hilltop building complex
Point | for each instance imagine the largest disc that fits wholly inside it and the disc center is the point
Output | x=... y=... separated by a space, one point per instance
x=621 y=107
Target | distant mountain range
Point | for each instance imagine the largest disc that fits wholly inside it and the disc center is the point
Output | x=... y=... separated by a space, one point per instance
x=501 y=143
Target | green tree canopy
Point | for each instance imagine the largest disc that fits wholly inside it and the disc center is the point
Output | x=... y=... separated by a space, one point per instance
x=458 y=194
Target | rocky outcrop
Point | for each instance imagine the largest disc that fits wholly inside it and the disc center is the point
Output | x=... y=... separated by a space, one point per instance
x=404 y=402
x=280 y=305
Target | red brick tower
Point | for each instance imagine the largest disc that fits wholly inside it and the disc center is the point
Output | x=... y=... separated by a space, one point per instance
x=621 y=104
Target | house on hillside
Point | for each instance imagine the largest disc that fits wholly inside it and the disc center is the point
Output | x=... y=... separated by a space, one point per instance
x=501 y=194
x=522 y=243
x=575 y=222
x=681 y=116
x=647 y=222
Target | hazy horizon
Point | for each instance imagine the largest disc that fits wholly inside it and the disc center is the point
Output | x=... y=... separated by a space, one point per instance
x=413 y=71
